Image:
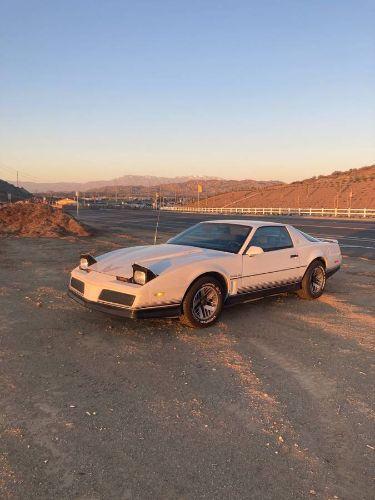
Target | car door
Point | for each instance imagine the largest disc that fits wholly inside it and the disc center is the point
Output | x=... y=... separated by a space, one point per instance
x=278 y=265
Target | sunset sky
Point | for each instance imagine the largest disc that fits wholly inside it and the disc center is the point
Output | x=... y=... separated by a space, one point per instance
x=237 y=89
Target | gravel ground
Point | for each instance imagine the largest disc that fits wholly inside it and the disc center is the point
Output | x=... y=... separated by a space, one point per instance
x=275 y=401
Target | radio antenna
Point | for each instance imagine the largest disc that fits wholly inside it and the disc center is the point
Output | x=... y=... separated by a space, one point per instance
x=157 y=221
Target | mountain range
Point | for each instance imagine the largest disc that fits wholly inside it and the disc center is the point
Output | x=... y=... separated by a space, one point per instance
x=125 y=180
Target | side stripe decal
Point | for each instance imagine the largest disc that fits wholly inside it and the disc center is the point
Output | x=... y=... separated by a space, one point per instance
x=270 y=272
x=267 y=286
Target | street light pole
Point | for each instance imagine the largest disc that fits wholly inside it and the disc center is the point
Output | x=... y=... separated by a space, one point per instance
x=77 y=195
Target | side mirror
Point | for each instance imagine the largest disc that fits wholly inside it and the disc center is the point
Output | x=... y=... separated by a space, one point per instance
x=254 y=251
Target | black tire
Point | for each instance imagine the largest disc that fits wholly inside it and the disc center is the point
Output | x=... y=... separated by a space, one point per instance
x=205 y=293
x=314 y=281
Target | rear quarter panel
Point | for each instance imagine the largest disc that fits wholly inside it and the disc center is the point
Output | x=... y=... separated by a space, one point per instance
x=308 y=251
x=329 y=252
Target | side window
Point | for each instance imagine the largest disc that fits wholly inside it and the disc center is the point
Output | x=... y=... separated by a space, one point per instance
x=271 y=238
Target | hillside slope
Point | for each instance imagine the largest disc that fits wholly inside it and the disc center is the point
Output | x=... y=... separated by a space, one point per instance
x=188 y=188
x=335 y=190
x=16 y=193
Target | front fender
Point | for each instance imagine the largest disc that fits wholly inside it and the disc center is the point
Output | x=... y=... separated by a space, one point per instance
x=212 y=270
x=174 y=283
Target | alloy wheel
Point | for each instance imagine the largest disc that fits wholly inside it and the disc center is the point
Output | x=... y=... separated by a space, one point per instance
x=318 y=280
x=205 y=303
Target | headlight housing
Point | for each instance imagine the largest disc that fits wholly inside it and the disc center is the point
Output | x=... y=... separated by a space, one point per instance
x=86 y=261
x=139 y=277
x=83 y=263
x=142 y=275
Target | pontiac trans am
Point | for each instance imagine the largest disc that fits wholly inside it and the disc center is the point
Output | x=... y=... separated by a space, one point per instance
x=210 y=265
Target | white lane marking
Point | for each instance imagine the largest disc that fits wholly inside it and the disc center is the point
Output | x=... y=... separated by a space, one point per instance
x=344 y=237
x=336 y=227
x=170 y=223
x=329 y=226
x=356 y=246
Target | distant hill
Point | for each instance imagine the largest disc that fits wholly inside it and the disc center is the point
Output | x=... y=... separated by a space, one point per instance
x=148 y=185
x=327 y=191
x=187 y=189
x=16 y=193
x=125 y=180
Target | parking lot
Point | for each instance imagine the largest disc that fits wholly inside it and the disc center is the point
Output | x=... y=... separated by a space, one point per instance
x=276 y=401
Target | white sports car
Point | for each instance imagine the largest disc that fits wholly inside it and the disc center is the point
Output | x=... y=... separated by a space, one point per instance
x=208 y=266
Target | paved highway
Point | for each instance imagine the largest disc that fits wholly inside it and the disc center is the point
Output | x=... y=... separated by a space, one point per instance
x=356 y=238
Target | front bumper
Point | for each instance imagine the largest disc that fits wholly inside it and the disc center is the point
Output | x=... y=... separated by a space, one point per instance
x=167 y=311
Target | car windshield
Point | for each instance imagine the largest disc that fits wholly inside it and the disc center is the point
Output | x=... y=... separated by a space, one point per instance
x=214 y=236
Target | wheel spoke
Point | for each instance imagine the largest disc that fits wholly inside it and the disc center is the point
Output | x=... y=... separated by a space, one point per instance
x=209 y=309
x=202 y=312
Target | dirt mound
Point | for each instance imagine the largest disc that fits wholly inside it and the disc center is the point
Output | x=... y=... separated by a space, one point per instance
x=33 y=220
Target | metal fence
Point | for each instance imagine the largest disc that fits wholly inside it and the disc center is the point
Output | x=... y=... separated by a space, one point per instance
x=314 y=212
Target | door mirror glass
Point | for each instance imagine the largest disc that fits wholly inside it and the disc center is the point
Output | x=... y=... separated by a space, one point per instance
x=254 y=251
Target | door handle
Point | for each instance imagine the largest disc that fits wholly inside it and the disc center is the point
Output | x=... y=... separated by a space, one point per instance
x=294 y=255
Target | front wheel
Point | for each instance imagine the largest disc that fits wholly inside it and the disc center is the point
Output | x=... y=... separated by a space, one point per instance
x=313 y=282
x=203 y=303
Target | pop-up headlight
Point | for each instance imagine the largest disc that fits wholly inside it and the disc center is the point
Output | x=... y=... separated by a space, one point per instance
x=139 y=277
x=142 y=275
x=85 y=261
x=83 y=264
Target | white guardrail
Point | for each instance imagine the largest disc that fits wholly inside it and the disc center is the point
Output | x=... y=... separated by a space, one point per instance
x=314 y=212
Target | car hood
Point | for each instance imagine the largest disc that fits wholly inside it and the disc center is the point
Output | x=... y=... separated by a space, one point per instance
x=157 y=258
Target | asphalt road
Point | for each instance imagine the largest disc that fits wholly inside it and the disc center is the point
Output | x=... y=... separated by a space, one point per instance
x=356 y=237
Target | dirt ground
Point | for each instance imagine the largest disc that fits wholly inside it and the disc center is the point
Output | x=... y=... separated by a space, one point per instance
x=276 y=401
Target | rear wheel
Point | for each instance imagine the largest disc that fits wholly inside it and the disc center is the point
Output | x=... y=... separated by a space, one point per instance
x=203 y=303
x=314 y=281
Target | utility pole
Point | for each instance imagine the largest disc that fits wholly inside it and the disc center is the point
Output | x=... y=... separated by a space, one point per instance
x=350 y=198
x=17 y=178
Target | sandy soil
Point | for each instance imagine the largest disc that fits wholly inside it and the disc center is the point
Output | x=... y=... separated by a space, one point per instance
x=275 y=401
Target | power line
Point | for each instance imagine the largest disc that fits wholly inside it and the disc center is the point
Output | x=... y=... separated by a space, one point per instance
x=17 y=172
